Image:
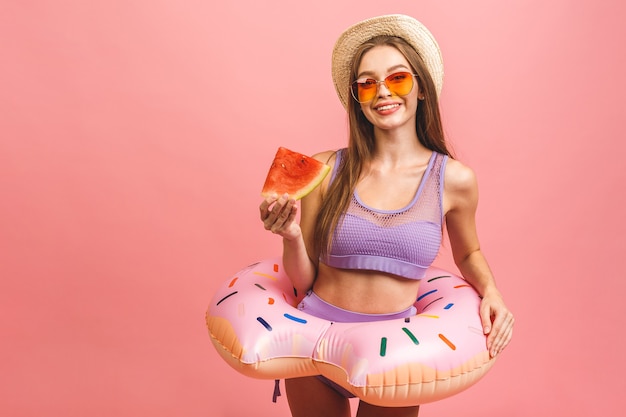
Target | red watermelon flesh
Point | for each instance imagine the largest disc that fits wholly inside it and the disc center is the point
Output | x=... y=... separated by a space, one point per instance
x=294 y=174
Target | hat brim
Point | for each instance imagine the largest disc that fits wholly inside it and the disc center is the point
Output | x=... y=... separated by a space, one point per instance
x=402 y=26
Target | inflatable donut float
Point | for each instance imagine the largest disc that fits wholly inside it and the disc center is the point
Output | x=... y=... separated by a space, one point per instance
x=439 y=352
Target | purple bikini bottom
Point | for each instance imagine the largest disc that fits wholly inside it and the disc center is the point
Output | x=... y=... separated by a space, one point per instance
x=317 y=307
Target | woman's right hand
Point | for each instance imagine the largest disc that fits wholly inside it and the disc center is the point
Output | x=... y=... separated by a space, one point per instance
x=279 y=216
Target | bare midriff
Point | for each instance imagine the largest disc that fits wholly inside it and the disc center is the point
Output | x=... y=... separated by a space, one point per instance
x=368 y=292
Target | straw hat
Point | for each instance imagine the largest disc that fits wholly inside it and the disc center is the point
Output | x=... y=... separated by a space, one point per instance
x=402 y=26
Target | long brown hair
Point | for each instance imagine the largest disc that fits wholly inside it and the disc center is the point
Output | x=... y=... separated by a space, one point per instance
x=361 y=140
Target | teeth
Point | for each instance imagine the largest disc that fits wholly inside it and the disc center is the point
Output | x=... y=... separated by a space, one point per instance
x=388 y=107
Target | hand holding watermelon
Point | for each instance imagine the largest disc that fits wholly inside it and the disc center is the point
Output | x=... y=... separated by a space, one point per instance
x=279 y=215
x=291 y=177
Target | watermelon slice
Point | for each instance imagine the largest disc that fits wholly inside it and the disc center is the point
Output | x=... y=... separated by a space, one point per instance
x=294 y=174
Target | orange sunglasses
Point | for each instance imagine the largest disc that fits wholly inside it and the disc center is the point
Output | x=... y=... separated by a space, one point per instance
x=398 y=83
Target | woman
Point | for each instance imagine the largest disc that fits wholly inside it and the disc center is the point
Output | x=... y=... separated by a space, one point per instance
x=372 y=228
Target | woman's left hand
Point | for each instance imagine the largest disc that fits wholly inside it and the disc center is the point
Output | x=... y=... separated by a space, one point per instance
x=497 y=322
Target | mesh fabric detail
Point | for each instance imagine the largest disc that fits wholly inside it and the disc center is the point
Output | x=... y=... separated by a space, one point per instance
x=401 y=242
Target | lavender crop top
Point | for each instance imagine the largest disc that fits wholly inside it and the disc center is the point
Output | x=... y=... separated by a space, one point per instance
x=402 y=242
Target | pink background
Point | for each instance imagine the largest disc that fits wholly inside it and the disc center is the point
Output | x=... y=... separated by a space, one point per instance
x=135 y=137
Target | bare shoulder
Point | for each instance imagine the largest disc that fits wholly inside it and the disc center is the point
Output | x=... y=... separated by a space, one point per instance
x=459 y=177
x=461 y=186
x=327 y=157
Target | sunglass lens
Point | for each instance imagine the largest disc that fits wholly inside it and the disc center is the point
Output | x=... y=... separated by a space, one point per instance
x=400 y=83
x=364 y=90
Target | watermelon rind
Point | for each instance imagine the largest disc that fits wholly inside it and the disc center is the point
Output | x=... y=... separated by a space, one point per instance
x=293 y=173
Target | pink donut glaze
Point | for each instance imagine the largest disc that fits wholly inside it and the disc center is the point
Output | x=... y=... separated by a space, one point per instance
x=435 y=354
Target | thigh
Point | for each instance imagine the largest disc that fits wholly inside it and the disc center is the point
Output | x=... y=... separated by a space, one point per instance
x=310 y=397
x=369 y=410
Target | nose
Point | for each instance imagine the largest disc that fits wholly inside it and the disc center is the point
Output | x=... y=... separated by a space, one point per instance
x=383 y=93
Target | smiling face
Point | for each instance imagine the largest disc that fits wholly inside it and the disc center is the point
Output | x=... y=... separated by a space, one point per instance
x=387 y=110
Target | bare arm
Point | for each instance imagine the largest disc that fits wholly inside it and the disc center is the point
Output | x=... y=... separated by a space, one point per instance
x=278 y=214
x=461 y=200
